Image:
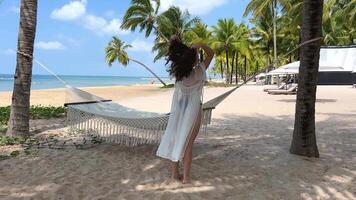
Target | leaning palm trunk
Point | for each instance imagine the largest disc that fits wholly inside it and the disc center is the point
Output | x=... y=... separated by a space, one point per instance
x=304 y=139
x=147 y=68
x=19 y=116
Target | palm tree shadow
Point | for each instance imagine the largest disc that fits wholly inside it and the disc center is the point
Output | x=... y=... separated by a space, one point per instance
x=239 y=157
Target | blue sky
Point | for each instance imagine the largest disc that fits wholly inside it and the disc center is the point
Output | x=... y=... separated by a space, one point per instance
x=71 y=35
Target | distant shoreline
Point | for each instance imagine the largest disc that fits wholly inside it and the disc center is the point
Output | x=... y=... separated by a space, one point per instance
x=41 y=82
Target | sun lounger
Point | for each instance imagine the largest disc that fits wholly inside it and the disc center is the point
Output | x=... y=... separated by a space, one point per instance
x=282 y=86
x=291 y=90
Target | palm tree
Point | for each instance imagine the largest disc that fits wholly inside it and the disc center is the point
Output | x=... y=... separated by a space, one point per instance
x=223 y=38
x=142 y=13
x=264 y=31
x=199 y=33
x=20 y=106
x=304 y=139
x=241 y=47
x=172 y=22
x=116 y=51
x=260 y=7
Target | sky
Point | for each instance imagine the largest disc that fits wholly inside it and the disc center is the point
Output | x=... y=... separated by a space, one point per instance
x=72 y=34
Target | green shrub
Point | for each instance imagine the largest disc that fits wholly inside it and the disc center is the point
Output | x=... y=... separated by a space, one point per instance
x=36 y=112
x=168 y=86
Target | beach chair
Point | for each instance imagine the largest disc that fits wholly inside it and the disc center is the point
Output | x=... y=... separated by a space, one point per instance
x=291 y=90
x=281 y=87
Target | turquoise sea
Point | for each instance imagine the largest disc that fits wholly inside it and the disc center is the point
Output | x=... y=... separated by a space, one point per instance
x=48 y=81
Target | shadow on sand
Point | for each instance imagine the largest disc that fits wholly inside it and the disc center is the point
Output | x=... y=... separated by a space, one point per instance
x=239 y=157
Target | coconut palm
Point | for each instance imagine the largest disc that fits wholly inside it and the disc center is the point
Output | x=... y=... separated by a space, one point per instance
x=20 y=106
x=304 y=139
x=199 y=33
x=172 y=22
x=260 y=7
x=241 y=47
x=223 y=38
x=142 y=14
x=116 y=50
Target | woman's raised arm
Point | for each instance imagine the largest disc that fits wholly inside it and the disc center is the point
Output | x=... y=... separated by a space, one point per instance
x=208 y=51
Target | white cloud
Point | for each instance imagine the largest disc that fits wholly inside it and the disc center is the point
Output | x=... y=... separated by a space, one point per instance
x=141 y=45
x=195 y=7
x=50 y=45
x=71 y=11
x=76 y=11
x=102 y=26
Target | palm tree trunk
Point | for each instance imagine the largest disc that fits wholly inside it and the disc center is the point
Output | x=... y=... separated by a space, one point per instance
x=236 y=68
x=304 y=139
x=245 y=76
x=232 y=67
x=222 y=69
x=20 y=106
x=227 y=65
x=268 y=61
x=274 y=7
x=147 y=68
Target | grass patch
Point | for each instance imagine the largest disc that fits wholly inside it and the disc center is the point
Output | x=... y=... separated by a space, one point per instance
x=168 y=86
x=36 y=112
x=14 y=140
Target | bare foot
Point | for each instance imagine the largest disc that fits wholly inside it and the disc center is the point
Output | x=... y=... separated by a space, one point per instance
x=177 y=177
x=186 y=180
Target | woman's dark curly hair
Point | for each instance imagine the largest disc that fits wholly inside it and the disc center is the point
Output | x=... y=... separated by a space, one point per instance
x=181 y=59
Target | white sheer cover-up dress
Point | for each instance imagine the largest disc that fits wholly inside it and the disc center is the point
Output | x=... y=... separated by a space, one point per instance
x=186 y=105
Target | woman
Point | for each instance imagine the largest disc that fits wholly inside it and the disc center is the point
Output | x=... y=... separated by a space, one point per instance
x=185 y=118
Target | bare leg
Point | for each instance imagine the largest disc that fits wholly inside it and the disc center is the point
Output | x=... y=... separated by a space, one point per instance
x=187 y=160
x=175 y=170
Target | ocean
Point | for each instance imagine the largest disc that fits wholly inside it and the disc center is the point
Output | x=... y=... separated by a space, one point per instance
x=49 y=82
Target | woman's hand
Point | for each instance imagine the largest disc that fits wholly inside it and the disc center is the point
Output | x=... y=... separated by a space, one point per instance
x=208 y=51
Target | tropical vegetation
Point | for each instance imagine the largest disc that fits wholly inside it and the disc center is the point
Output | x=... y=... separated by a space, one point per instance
x=276 y=28
x=242 y=50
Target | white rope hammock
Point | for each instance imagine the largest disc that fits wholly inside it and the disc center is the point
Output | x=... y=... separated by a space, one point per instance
x=115 y=123
x=89 y=114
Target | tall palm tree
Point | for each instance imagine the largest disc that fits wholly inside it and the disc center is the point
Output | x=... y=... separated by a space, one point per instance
x=261 y=7
x=116 y=50
x=241 y=46
x=199 y=33
x=20 y=106
x=304 y=139
x=264 y=31
x=172 y=22
x=223 y=38
x=143 y=14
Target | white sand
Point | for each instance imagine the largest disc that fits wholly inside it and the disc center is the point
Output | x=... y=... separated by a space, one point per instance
x=243 y=155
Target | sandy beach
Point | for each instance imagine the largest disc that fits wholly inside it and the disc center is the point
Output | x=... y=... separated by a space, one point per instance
x=244 y=154
x=56 y=97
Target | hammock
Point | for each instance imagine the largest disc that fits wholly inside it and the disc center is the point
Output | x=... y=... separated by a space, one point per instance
x=92 y=115
x=115 y=123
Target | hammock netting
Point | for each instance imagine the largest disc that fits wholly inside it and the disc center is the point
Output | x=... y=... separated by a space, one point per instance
x=115 y=123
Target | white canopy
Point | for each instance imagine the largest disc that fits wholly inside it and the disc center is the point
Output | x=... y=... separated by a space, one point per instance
x=332 y=59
